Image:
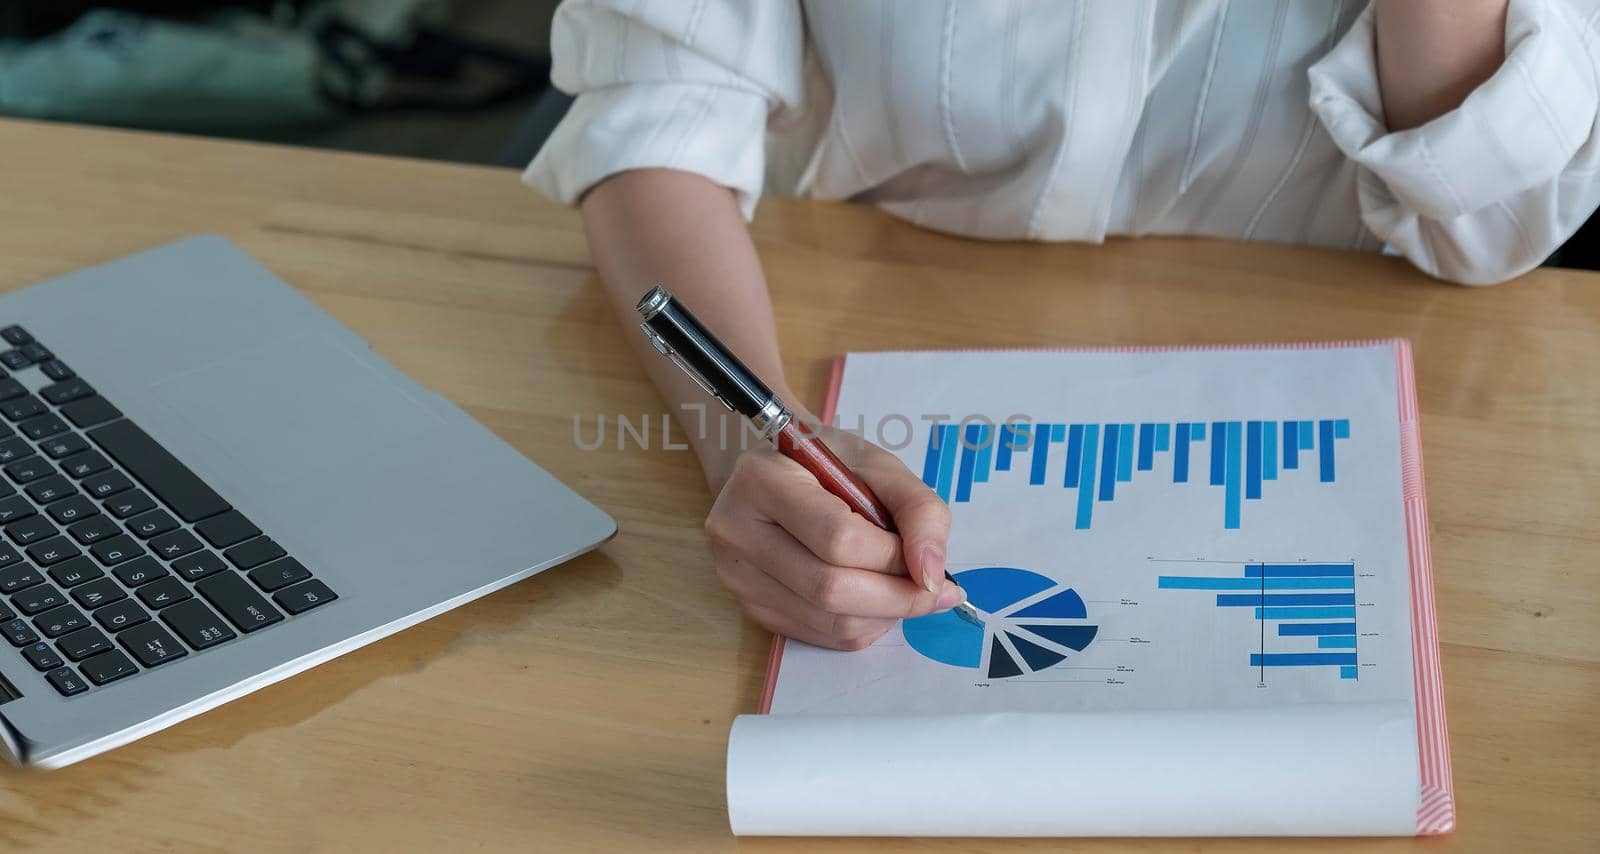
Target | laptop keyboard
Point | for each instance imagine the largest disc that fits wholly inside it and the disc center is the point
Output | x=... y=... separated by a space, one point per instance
x=116 y=558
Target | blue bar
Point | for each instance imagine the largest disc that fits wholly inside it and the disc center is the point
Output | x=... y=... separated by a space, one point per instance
x=1147 y=447
x=1269 y=450
x=1232 y=600
x=1300 y=659
x=1330 y=613
x=1307 y=433
x=980 y=473
x=1058 y=432
x=1325 y=437
x=1188 y=582
x=1219 y=448
x=1283 y=570
x=1292 y=629
x=947 y=460
x=1341 y=428
x=1163 y=436
x=1230 y=512
x=1252 y=460
x=1108 y=463
x=1002 y=454
x=1180 y=455
x=1336 y=642
x=930 y=462
x=1074 y=455
x=1347 y=672
x=1125 y=453
x=1091 y=435
x=1197 y=430
x=969 y=458
x=1041 y=453
x=1291 y=445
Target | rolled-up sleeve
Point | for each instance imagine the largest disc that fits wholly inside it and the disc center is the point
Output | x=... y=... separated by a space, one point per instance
x=1488 y=190
x=669 y=84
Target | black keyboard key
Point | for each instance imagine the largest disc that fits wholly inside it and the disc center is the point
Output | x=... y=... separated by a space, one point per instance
x=121 y=615
x=14 y=449
x=57 y=622
x=40 y=597
x=70 y=573
x=14 y=508
x=198 y=625
x=108 y=667
x=59 y=447
x=94 y=529
x=83 y=643
x=52 y=488
x=66 y=392
x=19 y=577
x=152 y=644
x=18 y=632
x=10 y=389
x=226 y=530
x=57 y=370
x=159 y=471
x=53 y=550
x=174 y=545
x=198 y=565
x=242 y=605
x=304 y=596
x=6 y=614
x=130 y=503
x=42 y=427
x=42 y=656
x=8 y=556
x=36 y=352
x=16 y=336
x=116 y=550
x=72 y=509
x=140 y=570
x=160 y=594
x=14 y=359
x=106 y=484
x=31 y=530
x=279 y=573
x=101 y=591
x=147 y=525
x=253 y=553
x=90 y=411
x=84 y=464
x=29 y=469
x=26 y=406
x=66 y=681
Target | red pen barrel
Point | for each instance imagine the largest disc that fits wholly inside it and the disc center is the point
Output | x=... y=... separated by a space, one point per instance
x=801 y=445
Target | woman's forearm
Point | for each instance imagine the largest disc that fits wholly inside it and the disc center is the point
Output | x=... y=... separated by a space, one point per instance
x=1433 y=53
x=679 y=230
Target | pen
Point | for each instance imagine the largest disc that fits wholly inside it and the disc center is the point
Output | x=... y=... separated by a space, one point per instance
x=676 y=334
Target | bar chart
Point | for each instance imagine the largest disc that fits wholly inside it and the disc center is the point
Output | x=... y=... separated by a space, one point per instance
x=1238 y=458
x=1306 y=611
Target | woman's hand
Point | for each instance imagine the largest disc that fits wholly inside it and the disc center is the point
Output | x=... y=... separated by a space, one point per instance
x=805 y=566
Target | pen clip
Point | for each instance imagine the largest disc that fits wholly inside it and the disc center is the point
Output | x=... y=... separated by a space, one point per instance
x=665 y=349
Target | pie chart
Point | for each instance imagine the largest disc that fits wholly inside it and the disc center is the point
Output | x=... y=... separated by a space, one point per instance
x=1031 y=623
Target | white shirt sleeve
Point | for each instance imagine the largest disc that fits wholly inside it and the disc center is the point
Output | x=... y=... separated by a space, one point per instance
x=1488 y=190
x=669 y=84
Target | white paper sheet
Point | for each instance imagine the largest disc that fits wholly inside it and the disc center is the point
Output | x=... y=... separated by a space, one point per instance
x=1126 y=683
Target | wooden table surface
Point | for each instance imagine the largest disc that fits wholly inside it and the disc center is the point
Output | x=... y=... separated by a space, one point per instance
x=587 y=709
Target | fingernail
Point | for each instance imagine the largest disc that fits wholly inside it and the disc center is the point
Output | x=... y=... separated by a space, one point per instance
x=951 y=597
x=932 y=568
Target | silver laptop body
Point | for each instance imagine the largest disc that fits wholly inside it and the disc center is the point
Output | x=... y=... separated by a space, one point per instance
x=391 y=495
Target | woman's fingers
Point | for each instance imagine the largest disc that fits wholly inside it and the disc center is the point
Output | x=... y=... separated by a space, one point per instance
x=922 y=517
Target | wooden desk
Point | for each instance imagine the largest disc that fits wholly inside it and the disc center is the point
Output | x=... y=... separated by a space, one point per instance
x=588 y=709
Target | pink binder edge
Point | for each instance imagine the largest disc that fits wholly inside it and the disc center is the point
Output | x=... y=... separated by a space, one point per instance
x=1436 y=811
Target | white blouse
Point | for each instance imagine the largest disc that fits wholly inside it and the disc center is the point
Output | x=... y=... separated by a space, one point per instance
x=1254 y=119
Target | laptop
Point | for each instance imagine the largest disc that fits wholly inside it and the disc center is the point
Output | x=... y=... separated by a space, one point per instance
x=207 y=484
